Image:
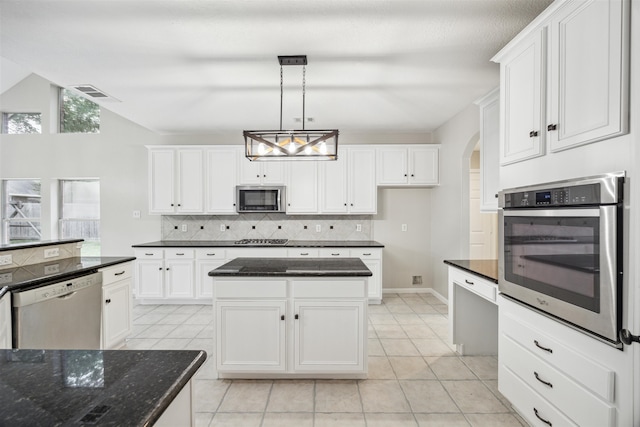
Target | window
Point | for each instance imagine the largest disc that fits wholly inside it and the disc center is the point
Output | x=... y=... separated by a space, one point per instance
x=78 y=114
x=21 y=211
x=20 y=123
x=79 y=204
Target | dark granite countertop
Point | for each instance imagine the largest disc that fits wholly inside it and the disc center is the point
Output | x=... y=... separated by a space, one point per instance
x=34 y=275
x=28 y=245
x=289 y=244
x=485 y=268
x=293 y=267
x=72 y=387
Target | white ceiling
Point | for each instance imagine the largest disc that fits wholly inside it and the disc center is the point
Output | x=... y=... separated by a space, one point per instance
x=196 y=66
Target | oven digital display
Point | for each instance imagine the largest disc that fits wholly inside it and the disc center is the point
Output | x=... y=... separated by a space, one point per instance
x=543 y=198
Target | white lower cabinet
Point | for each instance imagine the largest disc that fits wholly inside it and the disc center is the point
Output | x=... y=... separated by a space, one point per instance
x=554 y=375
x=294 y=327
x=5 y=321
x=207 y=260
x=116 y=304
x=165 y=275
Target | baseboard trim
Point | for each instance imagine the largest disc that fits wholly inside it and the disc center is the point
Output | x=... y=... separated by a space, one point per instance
x=415 y=291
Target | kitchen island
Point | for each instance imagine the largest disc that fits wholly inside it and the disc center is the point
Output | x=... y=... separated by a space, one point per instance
x=291 y=318
x=93 y=387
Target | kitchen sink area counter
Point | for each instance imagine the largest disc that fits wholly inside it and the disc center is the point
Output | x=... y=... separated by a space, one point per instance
x=473 y=310
x=291 y=318
x=93 y=387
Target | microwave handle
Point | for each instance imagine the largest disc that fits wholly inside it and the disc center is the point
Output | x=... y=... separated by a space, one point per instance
x=628 y=338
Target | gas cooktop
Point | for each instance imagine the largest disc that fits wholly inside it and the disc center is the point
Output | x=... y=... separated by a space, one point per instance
x=262 y=242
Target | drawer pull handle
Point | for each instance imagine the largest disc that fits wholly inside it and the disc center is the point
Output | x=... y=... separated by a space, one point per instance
x=366 y=254
x=541 y=347
x=180 y=253
x=119 y=274
x=148 y=254
x=468 y=282
x=304 y=253
x=335 y=254
x=547 y=422
x=548 y=384
x=210 y=254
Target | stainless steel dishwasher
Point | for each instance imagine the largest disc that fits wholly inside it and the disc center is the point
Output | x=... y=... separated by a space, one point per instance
x=61 y=315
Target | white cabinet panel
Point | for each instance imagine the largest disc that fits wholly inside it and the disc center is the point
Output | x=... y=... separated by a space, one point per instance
x=392 y=166
x=222 y=177
x=161 y=181
x=176 y=179
x=116 y=315
x=190 y=181
x=489 y=150
x=149 y=278
x=260 y=173
x=5 y=321
x=424 y=165
x=333 y=184
x=302 y=188
x=362 y=190
x=408 y=165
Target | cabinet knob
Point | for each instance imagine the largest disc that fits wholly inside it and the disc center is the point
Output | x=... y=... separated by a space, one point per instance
x=345 y=204
x=552 y=127
x=495 y=195
x=282 y=317
x=167 y=268
x=412 y=175
x=533 y=134
x=264 y=176
x=296 y=316
x=179 y=204
x=160 y=268
x=351 y=204
x=257 y=176
x=172 y=204
x=405 y=174
x=108 y=301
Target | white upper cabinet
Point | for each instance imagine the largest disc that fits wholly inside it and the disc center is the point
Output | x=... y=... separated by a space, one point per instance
x=402 y=165
x=565 y=80
x=302 y=187
x=348 y=185
x=176 y=180
x=222 y=176
x=489 y=150
x=588 y=73
x=261 y=173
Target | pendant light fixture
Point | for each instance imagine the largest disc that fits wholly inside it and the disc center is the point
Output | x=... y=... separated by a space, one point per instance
x=291 y=144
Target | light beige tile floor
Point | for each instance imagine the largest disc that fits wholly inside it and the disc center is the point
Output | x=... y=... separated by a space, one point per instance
x=415 y=377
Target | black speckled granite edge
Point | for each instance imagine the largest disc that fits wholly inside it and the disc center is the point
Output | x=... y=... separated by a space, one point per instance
x=289 y=244
x=485 y=268
x=292 y=267
x=16 y=246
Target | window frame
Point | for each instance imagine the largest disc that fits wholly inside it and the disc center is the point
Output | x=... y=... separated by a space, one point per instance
x=4 y=128
x=6 y=222
x=61 y=92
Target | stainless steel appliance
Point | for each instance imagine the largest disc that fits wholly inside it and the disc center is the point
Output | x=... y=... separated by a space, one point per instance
x=561 y=251
x=260 y=198
x=261 y=242
x=61 y=315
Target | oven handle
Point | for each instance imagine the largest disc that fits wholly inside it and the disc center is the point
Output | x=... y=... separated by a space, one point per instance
x=553 y=212
x=628 y=338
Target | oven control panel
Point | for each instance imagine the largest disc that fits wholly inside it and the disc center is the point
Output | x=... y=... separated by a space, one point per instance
x=587 y=194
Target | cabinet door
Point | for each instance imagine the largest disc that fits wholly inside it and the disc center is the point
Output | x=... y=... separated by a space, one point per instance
x=250 y=172
x=489 y=152
x=190 y=197
x=302 y=188
x=362 y=181
x=161 y=181
x=423 y=166
x=222 y=171
x=522 y=98
x=250 y=336
x=149 y=279
x=116 y=314
x=392 y=166
x=329 y=336
x=179 y=276
x=374 y=283
x=5 y=321
x=333 y=184
x=273 y=173
x=204 y=282
x=588 y=78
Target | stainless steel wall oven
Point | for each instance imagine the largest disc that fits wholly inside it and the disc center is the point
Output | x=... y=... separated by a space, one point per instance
x=561 y=251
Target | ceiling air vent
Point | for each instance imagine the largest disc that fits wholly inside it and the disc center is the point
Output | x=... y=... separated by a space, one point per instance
x=93 y=92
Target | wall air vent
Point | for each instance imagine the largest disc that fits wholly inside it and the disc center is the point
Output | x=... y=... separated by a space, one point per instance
x=93 y=92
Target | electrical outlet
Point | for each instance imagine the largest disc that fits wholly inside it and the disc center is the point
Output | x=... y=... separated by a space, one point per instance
x=183 y=227
x=222 y=227
x=404 y=227
x=52 y=269
x=358 y=227
x=318 y=228
x=6 y=259
x=416 y=280
x=136 y=214
x=51 y=252
x=6 y=278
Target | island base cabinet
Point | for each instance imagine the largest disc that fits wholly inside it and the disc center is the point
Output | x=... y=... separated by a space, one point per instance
x=180 y=412
x=328 y=336
x=117 y=301
x=250 y=336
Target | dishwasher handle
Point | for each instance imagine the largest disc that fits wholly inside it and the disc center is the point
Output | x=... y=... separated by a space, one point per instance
x=68 y=296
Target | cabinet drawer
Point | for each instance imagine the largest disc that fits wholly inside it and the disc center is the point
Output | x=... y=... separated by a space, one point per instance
x=302 y=253
x=250 y=289
x=256 y=253
x=365 y=254
x=593 y=376
x=533 y=407
x=572 y=399
x=213 y=253
x=116 y=273
x=329 y=288
x=475 y=284
x=179 y=253
x=333 y=253
x=149 y=254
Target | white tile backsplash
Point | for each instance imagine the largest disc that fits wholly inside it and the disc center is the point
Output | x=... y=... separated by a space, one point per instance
x=267 y=226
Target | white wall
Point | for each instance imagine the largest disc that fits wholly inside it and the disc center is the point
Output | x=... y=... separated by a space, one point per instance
x=450 y=201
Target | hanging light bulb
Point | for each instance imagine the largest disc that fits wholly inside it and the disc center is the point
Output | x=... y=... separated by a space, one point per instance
x=307 y=150
x=261 y=149
x=323 y=148
x=292 y=146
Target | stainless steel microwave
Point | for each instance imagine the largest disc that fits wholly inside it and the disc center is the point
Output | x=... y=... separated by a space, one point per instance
x=260 y=198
